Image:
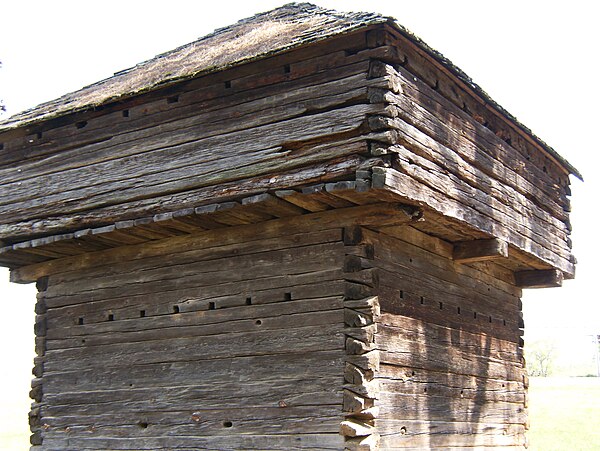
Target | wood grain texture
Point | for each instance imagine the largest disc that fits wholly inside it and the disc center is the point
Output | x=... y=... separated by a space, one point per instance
x=230 y=263
x=376 y=214
x=480 y=250
x=409 y=190
x=237 y=344
x=451 y=368
x=539 y=279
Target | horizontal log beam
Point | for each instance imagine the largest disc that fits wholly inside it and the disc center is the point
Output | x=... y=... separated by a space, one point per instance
x=383 y=214
x=546 y=278
x=394 y=185
x=480 y=250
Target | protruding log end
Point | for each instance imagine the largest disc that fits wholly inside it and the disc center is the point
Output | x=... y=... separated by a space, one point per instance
x=546 y=278
x=480 y=250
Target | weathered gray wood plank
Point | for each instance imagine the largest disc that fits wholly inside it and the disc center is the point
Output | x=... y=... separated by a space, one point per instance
x=165 y=167
x=313 y=173
x=308 y=338
x=253 y=81
x=229 y=442
x=247 y=244
x=412 y=191
x=273 y=320
x=515 y=218
x=479 y=250
x=208 y=272
x=539 y=279
x=379 y=214
x=293 y=365
x=436 y=114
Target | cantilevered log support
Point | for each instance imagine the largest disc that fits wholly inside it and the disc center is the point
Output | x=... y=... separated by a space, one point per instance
x=475 y=212
x=367 y=215
x=480 y=250
x=546 y=278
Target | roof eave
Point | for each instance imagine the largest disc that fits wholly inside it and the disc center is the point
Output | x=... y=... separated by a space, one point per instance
x=470 y=86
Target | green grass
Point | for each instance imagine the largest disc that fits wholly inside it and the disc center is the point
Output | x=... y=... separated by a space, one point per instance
x=564 y=414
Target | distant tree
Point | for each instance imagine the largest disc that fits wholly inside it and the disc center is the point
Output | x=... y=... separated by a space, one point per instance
x=540 y=358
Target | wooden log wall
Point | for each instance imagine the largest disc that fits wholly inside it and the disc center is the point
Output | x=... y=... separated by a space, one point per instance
x=451 y=370
x=339 y=325
x=284 y=121
x=313 y=115
x=361 y=314
x=236 y=345
x=445 y=158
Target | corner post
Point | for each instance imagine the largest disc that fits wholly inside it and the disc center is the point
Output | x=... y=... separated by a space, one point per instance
x=361 y=310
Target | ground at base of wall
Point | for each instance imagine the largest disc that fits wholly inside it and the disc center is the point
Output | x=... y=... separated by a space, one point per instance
x=564 y=413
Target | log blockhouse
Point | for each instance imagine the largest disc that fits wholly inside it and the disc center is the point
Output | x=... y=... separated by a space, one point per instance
x=308 y=230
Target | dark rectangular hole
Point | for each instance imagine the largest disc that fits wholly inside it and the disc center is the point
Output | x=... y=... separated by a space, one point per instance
x=458 y=310
x=287 y=69
x=1 y=146
x=175 y=309
x=248 y=301
x=173 y=99
x=422 y=300
x=474 y=314
x=441 y=305
x=504 y=322
x=111 y=317
x=287 y=297
x=490 y=319
x=142 y=313
x=125 y=113
x=81 y=124
x=227 y=84
x=401 y=294
x=80 y=321
x=39 y=135
x=211 y=306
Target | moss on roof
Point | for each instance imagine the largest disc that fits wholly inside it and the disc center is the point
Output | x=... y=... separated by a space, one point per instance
x=290 y=26
x=256 y=37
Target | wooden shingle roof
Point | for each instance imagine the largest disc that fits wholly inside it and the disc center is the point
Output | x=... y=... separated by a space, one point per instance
x=269 y=33
x=256 y=37
x=315 y=111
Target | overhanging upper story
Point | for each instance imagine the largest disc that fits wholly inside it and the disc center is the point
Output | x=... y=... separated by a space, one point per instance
x=297 y=111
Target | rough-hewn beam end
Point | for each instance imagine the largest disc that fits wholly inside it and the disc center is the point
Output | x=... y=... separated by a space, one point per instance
x=546 y=278
x=480 y=250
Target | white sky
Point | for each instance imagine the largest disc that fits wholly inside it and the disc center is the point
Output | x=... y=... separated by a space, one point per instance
x=538 y=59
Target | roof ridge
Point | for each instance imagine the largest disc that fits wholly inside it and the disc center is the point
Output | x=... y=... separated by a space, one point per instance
x=225 y=51
x=295 y=13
